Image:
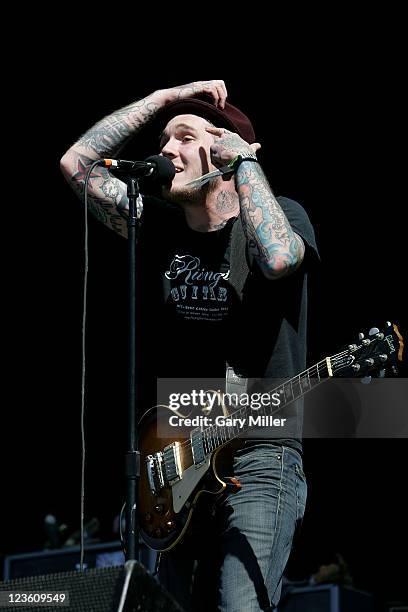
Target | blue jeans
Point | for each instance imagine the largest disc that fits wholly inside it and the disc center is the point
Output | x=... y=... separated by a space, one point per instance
x=233 y=560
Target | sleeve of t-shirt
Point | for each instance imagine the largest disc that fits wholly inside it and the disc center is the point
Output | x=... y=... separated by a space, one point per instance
x=300 y=223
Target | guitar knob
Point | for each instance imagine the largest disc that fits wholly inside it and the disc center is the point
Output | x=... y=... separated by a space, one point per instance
x=170 y=526
x=373 y=331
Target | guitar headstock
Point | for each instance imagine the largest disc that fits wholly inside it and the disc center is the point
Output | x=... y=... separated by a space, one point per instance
x=376 y=355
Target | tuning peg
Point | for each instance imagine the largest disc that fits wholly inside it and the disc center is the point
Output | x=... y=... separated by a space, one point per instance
x=352 y=347
x=356 y=367
x=388 y=324
x=380 y=336
x=373 y=331
x=369 y=361
x=360 y=336
x=366 y=342
x=383 y=357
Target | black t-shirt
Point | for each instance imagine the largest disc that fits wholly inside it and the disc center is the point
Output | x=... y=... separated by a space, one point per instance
x=195 y=317
x=198 y=301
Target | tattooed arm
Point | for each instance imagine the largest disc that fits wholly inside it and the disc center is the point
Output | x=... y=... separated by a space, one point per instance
x=106 y=138
x=271 y=240
x=274 y=245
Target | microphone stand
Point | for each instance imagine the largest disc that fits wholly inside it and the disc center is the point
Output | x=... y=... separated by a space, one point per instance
x=133 y=453
x=131 y=170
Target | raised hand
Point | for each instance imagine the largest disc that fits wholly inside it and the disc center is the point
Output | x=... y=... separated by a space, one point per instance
x=216 y=89
x=228 y=145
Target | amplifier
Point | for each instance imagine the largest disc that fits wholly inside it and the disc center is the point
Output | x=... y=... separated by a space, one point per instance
x=128 y=588
x=107 y=554
x=326 y=598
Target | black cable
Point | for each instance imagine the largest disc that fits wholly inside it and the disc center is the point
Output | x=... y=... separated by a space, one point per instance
x=85 y=285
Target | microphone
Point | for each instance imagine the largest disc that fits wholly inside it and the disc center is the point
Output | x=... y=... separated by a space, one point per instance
x=156 y=167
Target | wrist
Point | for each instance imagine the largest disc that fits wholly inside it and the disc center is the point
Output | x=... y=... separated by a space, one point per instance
x=245 y=157
x=160 y=97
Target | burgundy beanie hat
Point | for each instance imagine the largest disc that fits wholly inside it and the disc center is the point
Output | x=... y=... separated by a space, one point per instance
x=229 y=117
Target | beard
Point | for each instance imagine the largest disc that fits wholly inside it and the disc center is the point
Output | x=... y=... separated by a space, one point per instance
x=190 y=195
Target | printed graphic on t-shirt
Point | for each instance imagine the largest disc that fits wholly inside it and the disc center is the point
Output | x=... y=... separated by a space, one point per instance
x=197 y=292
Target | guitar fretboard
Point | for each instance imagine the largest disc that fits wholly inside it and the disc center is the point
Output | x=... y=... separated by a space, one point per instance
x=210 y=438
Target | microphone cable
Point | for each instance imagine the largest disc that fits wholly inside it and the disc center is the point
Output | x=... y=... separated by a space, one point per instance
x=84 y=305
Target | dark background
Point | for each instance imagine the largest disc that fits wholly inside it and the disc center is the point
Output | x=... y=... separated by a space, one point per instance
x=328 y=125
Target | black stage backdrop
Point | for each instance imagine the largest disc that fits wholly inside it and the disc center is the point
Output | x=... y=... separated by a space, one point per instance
x=326 y=131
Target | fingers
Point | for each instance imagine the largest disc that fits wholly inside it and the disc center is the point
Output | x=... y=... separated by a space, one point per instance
x=218 y=91
x=222 y=90
x=212 y=89
x=215 y=131
x=222 y=132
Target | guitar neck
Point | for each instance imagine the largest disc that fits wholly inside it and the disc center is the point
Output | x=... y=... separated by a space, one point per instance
x=215 y=436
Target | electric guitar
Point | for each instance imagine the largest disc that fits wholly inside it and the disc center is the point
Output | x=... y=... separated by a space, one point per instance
x=175 y=473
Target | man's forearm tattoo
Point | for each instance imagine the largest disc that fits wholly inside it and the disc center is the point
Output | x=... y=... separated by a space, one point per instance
x=105 y=193
x=78 y=178
x=269 y=234
x=112 y=132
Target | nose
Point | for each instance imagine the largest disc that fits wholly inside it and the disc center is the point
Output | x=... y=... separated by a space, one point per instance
x=170 y=149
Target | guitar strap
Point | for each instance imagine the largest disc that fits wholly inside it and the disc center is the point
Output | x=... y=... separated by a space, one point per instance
x=239 y=268
x=236 y=382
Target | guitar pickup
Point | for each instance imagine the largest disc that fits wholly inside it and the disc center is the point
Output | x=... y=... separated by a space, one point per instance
x=197 y=446
x=172 y=463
